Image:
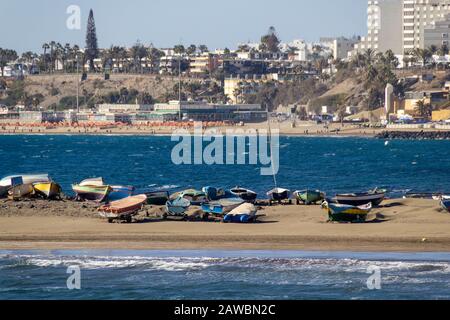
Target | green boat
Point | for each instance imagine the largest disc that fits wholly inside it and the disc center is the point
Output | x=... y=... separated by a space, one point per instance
x=309 y=196
x=195 y=197
x=92 y=193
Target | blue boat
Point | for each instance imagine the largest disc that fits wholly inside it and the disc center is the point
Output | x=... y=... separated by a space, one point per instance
x=214 y=194
x=221 y=207
x=245 y=213
x=177 y=207
x=445 y=204
x=120 y=192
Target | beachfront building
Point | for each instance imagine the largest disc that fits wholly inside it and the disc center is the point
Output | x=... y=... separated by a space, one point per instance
x=123 y=108
x=201 y=111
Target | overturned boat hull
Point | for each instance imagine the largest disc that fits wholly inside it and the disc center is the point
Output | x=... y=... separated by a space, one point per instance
x=245 y=213
x=309 y=196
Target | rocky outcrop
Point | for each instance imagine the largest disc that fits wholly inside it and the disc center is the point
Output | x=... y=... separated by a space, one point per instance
x=414 y=135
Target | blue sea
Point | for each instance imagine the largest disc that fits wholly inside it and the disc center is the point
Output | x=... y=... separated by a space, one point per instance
x=330 y=164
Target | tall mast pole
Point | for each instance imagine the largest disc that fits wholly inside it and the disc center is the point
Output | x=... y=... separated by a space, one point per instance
x=78 y=86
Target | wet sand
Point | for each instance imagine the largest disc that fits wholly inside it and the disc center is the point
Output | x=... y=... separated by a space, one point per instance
x=404 y=225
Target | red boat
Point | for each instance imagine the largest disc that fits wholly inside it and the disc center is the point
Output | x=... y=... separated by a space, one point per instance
x=123 y=209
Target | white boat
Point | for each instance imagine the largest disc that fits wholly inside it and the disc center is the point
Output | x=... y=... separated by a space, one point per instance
x=96 y=182
x=279 y=195
x=11 y=181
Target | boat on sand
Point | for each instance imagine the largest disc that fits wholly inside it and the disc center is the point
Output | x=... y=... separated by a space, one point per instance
x=245 y=213
x=375 y=197
x=221 y=207
x=445 y=204
x=347 y=213
x=123 y=209
x=309 y=196
x=245 y=194
x=279 y=195
x=21 y=191
x=47 y=190
x=92 y=193
x=177 y=207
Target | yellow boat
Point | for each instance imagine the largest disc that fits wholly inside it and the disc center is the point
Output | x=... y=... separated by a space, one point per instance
x=48 y=190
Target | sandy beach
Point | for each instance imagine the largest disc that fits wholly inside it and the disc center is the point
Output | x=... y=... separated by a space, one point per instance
x=403 y=225
x=285 y=128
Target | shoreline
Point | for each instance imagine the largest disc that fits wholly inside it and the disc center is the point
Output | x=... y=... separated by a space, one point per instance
x=401 y=225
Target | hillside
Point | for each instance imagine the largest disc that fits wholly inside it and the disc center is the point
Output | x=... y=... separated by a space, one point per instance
x=55 y=87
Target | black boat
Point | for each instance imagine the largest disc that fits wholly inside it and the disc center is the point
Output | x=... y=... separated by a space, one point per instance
x=245 y=194
x=374 y=197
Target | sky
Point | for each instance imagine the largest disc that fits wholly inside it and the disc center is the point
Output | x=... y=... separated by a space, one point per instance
x=26 y=24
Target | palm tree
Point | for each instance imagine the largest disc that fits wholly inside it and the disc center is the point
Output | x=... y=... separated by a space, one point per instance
x=423 y=55
x=369 y=57
x=154 y=55
x=45 y=46
x=52 y=55
x=443 y=50
x=423 y=109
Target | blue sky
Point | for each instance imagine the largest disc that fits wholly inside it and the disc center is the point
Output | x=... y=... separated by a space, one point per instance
x=217 y=24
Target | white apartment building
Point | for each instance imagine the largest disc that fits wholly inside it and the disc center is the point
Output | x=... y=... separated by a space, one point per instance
x=385 y=25
x=425 y=23
x=342 y=47
x=404 y=25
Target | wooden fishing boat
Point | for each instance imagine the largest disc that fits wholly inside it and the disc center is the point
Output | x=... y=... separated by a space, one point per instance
x=157 y=198
x=245 y=213
x=445 y=204
x=309 y=196
x=92 y=193
x=245 y=194
x=221 y=207
x=48 y=190
x=123 y=209
x=195 y=197
x=177 y=207
x=21 y=191
x=375 y=197
x=279 y=195
x=120 y=192
x=347 y=213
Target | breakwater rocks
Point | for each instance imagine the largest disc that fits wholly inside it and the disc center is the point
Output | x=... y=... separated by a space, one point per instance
x=414 y=135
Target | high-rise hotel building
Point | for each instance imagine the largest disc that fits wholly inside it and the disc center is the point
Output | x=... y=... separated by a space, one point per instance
x=403 y=25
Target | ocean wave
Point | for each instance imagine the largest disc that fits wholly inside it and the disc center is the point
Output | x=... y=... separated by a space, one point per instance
x=148 y=263
x=235 y=264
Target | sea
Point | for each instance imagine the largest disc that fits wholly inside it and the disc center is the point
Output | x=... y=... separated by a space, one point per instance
x=330 y=164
